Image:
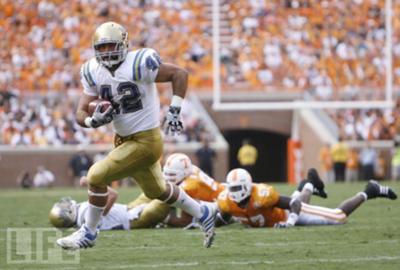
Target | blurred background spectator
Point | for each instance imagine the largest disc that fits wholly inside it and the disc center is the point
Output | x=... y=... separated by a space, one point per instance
x=25 y=180
x=247 y=156
x=340 y=155
x=368 y=160
x=205 y=157
x=352 y=166
x=326 y=162
x=43 y=178
x=79 y=166
x=395 y=161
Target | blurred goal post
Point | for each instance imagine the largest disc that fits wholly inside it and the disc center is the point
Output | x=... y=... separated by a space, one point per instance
x=219 y=105
x=294 y=148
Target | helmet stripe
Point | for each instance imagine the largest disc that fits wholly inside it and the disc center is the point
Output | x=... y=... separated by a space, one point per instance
x=234 y=175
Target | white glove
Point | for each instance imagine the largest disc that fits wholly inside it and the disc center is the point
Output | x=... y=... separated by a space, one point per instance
x=290 y=222
x=282 y=225
x=172 y=121
x=100 y=118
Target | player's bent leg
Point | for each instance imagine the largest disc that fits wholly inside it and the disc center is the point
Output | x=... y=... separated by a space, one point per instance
x=154 y=186
x=86 y=236
x=372 y=190
x=152 y=214
x=151 y=181
x=205 y=212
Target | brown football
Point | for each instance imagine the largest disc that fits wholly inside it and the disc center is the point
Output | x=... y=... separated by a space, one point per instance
x=105 y=104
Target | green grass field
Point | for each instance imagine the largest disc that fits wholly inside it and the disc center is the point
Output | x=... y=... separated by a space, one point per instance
x=370 y=240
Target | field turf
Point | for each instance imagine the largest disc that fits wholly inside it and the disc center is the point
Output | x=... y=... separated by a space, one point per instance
x=370 y=239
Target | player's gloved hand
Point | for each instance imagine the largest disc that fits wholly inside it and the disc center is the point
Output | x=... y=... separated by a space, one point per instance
x=100 y=118
x=290 y=222
x=172 y=121
x=282 y=225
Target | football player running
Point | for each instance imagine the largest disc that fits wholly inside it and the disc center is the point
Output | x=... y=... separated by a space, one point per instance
x=260 y=205
x=127 y=80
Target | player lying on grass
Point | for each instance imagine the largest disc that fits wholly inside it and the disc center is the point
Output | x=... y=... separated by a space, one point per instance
x=143 y=212
x=260 y=205
x=138 y=214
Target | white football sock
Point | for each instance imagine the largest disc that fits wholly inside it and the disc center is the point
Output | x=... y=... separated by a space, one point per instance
x=93 y=216
x=363 y=194
x=188 y=204
x=295 y=194
x=309 y=187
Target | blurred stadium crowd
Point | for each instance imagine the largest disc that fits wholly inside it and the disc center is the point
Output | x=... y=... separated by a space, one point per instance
x=371 y=124
x=50 y=120
x=330 y=49
x=312 y=45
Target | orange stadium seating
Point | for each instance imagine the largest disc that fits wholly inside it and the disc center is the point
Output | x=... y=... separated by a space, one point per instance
x=329 y=49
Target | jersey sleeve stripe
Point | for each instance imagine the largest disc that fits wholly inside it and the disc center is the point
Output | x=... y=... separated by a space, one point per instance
x=90 y=76
x=84 y=73
x=140 y=60
x=135 y=65
x=87 y=75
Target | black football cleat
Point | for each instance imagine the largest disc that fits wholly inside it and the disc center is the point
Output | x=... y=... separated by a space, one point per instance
x=315 y=191
x=313 y=178
x=375 y=190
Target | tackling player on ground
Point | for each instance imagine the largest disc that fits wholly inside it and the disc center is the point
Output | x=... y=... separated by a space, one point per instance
x=142 y=212
x=260 y=205
x=127 y=80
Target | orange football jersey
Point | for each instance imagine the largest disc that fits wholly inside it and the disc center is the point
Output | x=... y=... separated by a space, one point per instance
x=261 y=210
x=202 y=187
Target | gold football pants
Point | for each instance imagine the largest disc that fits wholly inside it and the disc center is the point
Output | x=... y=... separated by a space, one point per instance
x=136 y=156
x=154 y=212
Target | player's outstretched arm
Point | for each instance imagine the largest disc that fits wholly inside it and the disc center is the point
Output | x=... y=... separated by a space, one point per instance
x=179 y=79
x=294 y=206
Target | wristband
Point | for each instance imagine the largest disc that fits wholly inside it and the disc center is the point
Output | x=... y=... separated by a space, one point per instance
x=88 y=121
x=176 y=101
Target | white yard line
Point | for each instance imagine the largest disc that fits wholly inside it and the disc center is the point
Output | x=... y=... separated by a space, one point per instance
x=247 y=262
x=322 y=243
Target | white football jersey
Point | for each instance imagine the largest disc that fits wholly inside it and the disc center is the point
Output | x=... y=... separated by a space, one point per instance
x=117 y=218
x=133 y=83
